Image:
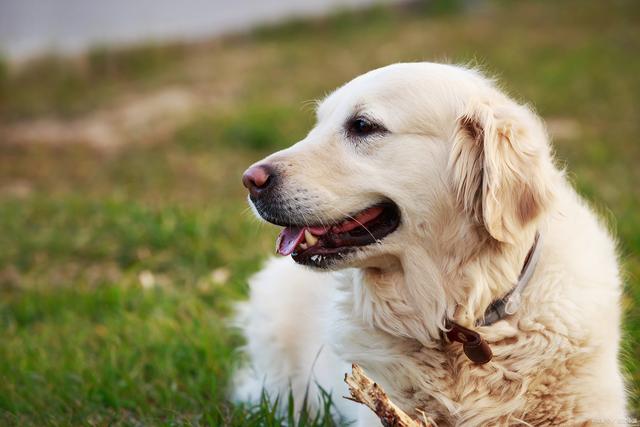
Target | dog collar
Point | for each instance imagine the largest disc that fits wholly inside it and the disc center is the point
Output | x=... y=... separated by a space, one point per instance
x=473 y=345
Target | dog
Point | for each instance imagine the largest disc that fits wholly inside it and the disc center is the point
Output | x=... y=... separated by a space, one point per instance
x=429 y=237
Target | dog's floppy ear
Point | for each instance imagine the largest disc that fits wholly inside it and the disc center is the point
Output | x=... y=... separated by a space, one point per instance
x=500 y=167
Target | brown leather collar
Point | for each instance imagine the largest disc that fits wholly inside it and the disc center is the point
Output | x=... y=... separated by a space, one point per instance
x=473 y=345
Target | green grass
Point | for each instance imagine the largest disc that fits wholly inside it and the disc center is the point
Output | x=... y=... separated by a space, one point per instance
x=85 y=343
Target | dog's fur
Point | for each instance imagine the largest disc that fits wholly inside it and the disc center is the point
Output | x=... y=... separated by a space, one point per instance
x=472 y=173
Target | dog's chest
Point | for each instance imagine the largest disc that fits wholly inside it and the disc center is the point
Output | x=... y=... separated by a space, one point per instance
x=441 y=384
x=439 y=380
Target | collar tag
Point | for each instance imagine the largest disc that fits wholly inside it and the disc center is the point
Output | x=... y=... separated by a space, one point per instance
x=473 y=345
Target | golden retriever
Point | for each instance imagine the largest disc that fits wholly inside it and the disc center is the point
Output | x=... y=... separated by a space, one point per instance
x=411 y=217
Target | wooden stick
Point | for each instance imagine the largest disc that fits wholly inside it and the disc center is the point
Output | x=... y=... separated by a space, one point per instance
x=363 y=390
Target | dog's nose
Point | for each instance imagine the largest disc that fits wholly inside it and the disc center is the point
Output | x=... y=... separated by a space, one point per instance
x=257 y=179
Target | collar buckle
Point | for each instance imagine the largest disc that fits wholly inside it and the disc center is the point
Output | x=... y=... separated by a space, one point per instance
x=473 y=345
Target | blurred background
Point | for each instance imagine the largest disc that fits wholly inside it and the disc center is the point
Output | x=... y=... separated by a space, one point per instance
x=124 y=129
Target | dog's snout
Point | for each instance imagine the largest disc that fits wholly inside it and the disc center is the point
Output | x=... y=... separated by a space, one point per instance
x=257 y=178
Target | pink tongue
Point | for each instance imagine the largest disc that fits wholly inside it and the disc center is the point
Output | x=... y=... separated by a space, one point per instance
x=288 y=239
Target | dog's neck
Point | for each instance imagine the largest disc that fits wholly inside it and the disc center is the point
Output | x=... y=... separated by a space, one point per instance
x=441 y=280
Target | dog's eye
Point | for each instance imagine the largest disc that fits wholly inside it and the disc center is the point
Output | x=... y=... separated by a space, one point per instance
x=362 y=127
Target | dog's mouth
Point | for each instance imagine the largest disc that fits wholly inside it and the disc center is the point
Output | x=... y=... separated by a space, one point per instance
x=323 y=245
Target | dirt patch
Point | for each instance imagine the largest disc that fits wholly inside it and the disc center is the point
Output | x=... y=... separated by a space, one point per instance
x=140 y=118
x=211 y=77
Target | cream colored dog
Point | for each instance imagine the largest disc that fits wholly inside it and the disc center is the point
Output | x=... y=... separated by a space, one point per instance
x=413 y=205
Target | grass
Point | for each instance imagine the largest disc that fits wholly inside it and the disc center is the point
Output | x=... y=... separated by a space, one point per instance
x=119 y=268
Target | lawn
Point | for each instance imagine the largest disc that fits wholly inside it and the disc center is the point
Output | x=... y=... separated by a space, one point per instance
x=119 y=264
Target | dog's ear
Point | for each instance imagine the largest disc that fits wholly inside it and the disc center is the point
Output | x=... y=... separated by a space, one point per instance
x=501 y=168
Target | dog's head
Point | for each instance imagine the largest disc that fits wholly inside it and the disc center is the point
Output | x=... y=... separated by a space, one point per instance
x=400 y=157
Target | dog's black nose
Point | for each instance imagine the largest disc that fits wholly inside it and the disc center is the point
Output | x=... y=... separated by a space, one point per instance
x=257 y=179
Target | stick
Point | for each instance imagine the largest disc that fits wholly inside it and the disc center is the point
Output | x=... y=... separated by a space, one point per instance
x=367 y=392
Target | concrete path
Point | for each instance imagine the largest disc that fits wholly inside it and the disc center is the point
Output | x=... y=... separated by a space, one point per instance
x=32 y=27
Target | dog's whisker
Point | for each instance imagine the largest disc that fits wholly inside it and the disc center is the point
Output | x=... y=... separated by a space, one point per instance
x=357 y=222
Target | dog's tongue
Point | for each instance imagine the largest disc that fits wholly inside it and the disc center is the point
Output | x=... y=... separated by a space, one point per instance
x=288 y=239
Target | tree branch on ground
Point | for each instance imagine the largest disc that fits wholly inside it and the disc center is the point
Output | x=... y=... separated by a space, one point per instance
x=365 y=391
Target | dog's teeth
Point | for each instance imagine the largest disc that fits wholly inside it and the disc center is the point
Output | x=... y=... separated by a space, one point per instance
x=278 y=240
x=310 y=238
x=314 y=258
x=303 y=246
